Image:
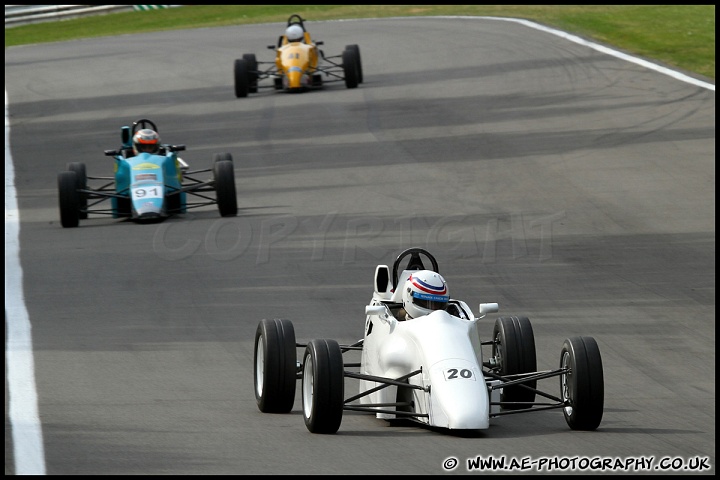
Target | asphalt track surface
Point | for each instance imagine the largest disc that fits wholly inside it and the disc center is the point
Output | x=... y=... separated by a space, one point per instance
x=569 y=186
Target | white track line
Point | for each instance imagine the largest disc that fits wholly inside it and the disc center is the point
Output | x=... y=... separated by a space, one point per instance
x=22 y=394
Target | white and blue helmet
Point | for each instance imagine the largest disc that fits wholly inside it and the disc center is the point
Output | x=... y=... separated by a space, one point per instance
x=424 y=292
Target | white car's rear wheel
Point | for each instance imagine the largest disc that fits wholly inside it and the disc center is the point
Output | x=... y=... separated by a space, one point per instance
x=514 y=352
x=275 y=372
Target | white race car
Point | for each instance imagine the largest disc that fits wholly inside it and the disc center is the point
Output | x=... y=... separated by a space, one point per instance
x=422 y=359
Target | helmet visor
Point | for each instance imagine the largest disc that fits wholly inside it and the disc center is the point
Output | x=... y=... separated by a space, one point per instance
x=429 y=301
x=146 y=147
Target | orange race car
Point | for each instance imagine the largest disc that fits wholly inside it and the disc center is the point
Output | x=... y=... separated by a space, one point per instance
x=299 y=64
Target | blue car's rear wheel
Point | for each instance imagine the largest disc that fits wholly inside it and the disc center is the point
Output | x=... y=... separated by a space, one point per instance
x=173 y=203
x=217 y=157
x=124 y=207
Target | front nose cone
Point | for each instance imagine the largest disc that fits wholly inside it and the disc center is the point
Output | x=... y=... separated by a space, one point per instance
x=295 y=76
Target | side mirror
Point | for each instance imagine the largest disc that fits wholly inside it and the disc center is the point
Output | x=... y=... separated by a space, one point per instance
x=375 y=309
x=381 y=311
x=486 y=308
x=382 y=279
x=125 y=136
x=111 y=153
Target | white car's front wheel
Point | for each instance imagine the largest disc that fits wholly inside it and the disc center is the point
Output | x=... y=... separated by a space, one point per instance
x=323 y=386
x=582 y=386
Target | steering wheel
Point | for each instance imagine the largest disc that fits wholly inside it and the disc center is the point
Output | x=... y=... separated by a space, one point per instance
x=143 y=123
x=296 y=19
x=415 y=262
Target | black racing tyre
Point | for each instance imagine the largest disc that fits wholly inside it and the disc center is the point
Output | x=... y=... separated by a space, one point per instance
x=275 y=360
x=217 y=157
x=582 y=388
x=359 y=62
x=69 y=199
x=323 y=386
x=81 y=171
x=514 y=350
x=350 y=68
x=173 y=203
x=224 y=172
x=242 y=83
x=124 y=207
x=252 y=66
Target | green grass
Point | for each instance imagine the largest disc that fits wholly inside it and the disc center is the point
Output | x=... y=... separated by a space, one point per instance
x=680 y=36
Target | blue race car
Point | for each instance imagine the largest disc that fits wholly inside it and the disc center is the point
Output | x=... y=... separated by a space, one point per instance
x=151 y=182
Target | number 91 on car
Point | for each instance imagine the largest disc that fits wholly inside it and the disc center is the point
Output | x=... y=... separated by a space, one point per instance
x=145 y=192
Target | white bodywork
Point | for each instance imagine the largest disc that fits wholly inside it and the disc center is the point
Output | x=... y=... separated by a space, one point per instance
x=445 y=346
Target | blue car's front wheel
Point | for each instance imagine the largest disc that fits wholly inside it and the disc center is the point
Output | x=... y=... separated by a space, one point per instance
x=81 y=171
x=224 y=172
x=69 y=199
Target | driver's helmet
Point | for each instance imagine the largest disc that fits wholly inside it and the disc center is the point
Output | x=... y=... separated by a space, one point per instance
x=146 y=140
x=295 y=33
x=424 y=292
